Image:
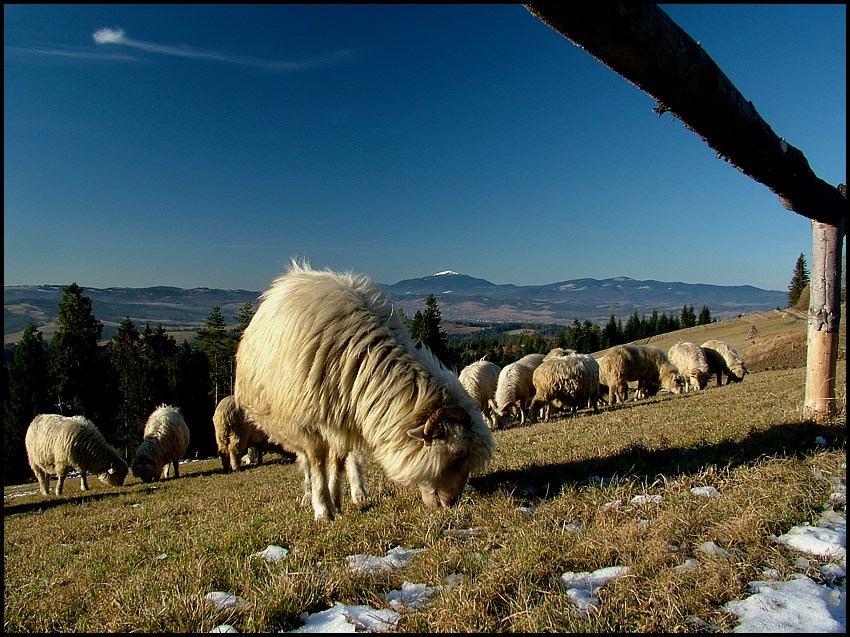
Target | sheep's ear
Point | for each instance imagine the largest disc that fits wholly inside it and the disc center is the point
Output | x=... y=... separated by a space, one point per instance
x=417 y=433
x=437 y=432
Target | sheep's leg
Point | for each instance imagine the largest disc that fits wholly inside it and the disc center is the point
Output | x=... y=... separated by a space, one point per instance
x=43 y=480
x=235 y=458
x=225 y=461
x=306 y=483
x=176 y=465
x=336 y=467
x=61 y=473
x=320 y=495
x=84 y=485
x=354 y=470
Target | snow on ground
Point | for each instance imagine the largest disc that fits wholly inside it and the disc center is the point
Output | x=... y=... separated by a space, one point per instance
x=794 y=606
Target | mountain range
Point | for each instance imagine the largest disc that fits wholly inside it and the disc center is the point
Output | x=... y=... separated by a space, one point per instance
x=460 y=298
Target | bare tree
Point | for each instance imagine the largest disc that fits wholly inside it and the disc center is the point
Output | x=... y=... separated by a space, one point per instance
x=642 y=43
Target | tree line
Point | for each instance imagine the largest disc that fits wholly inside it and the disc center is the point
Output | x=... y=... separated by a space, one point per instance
x=117 y=383
x=513 y=341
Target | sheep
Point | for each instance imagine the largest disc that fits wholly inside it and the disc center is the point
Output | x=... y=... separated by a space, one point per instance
x=559 y=351
x=56 y=444
x=326 y=368
x=166 y=440
x=567 y=382
x=723 y=359
x=532 y=360
x=480 y=379
x=691 y=360
x=646 y=364
x=514 y=391
x=237 y=436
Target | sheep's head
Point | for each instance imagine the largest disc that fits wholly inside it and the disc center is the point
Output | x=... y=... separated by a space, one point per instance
x=736 y=373
x=671 y=379
x=116 y=474
x=463 y=448
x=146 y=471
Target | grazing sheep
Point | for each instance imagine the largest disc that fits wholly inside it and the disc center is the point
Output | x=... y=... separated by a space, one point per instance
x=723 y=359
x=166 y=440
x=479 y=379
x=567 y=382
x=646 y=364
x=559 y=351
x=532 y=360
x=326 y=368
x=237 y=436
x=56 y=444
x=692 y=363
x=514 y=391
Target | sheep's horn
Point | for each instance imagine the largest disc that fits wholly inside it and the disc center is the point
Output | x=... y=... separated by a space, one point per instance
x=455 y=414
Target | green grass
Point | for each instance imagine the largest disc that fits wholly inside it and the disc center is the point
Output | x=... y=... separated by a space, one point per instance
x=141 y=557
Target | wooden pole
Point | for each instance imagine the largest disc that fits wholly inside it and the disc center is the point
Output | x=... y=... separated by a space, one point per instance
x=824 y=319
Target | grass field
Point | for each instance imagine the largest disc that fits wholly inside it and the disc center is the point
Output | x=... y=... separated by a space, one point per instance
x=560 y=496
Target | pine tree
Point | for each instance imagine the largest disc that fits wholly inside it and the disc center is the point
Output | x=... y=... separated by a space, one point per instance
x=435 y=336
x=77 y=368
x=799 y=281
x=633 y=329
x=613 y=333
x=704 y=317
x=131 y=383
x=26 y=396
x=246 y=313
x=689 y=319
x=220 y=351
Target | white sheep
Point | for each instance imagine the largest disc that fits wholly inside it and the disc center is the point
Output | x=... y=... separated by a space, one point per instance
x=724 y=359
x=236 y=436
x=567 y=382
x=691 y=360
x=166 y=438
x=480 y=379
x=514 y=391
x=559 y=351
x=326 y=367
x=56 y=444
x=646 y=364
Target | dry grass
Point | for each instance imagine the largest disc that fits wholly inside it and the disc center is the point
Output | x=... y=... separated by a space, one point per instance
x=141 y=557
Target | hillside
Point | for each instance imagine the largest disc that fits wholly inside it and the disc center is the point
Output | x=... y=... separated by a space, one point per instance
x=461 y=299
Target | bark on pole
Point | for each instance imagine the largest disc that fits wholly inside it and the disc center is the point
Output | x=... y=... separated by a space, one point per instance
x=642 y=44
x=824 y=317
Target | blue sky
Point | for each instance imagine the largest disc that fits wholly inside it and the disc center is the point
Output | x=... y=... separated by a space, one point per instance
x=206 y=145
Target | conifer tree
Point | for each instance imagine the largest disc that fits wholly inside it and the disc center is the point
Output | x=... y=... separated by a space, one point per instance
x=246 y=313
x=26 y=396
x=220 y=351
x=613 y=333
x=132 y=389
x=76 y=366
x=633 y=329
x=435 y=337
x=689 y=319
x=799 y=281
x=704 y=317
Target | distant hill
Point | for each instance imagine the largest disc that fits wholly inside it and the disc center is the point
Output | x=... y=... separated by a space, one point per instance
x=465 y=298
x=460 y=298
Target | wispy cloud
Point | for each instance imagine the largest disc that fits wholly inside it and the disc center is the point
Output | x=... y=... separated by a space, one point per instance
x=108 y=36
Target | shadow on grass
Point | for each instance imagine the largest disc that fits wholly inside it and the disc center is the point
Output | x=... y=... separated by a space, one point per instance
x=788 y=440
x=72 y=495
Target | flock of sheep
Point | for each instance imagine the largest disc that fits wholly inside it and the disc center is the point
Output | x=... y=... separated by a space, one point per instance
x=568 y=380
x=57 y=444
x=327 y=371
